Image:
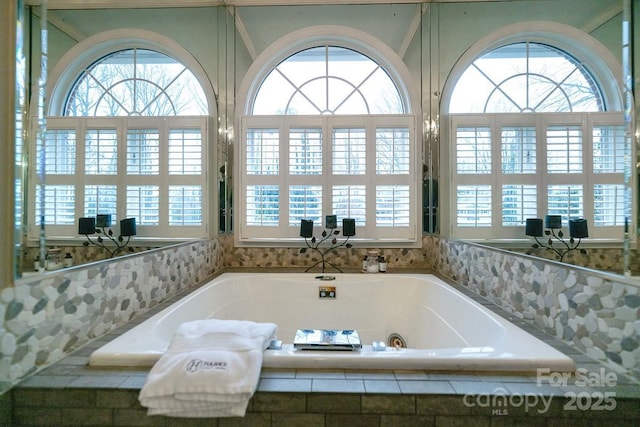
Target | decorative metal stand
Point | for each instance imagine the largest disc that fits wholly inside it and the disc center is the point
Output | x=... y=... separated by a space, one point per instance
x=577 y=231
x=89 y=226
x=306 y=231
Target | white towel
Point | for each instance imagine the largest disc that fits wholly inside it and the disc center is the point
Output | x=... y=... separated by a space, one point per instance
x=210 y=369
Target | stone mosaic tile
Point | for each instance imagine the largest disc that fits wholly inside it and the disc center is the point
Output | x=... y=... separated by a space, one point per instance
x=595 y=313
x=46 y=317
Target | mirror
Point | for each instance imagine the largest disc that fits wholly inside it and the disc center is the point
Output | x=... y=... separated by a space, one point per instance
x=452 y=41
x=67 y=27
x=440 y=51
x=226 y=108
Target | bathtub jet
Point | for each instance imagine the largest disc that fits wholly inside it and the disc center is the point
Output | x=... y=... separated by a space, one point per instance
x=444 y=329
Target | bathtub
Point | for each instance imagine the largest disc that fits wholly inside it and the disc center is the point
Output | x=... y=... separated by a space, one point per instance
x=442 y=328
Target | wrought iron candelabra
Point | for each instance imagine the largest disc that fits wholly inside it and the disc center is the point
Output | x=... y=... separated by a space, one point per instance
x=578 y=229
x=100 y=225
x=330 y=232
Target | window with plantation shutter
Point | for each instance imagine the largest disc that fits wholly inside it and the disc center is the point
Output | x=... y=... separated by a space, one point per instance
x=533 y=139
x=328 y=134
x=131 y=142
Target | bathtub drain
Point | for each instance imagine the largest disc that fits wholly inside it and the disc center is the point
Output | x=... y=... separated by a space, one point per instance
x=396 y=341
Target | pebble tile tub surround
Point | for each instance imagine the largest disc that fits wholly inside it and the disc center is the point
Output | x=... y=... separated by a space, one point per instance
x=597 y=313
x=48 y=317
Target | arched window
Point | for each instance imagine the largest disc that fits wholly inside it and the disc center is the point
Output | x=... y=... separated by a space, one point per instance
x=136 y=82
x=327 y=133
x=328 y=80
x=526 y=77
x=531 y=137
x=130 y=142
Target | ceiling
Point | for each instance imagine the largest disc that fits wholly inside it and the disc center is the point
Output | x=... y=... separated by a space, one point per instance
x=117 y=4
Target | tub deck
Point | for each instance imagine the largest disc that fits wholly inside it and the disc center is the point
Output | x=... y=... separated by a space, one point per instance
x=71 y=393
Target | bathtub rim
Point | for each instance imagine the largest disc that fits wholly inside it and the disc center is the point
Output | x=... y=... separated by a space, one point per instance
x=366 y=359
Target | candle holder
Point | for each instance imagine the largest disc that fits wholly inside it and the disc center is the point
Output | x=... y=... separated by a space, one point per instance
x=578 y=229
x=101 y=226
x=330 y=232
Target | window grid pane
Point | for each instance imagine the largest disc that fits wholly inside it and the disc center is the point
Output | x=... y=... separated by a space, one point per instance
x=143 y=203
x=566 y=201
x=518 y=150
x=263 y=152
x=392 y=206
x=60 y=152
x=185 y=152
x=473 y=206
x=100 y=199
x=143 y=152
x=524 y=78
x=608 y=205
x=101 y=152
x=473 y=150
x=305 y=202
x=59 y=205
x=349 y=201
x=349 y=151
x=185 y=205
x=136 y=82
x=263 y=205
x=519 y=202
x=608 y=149
x=327 y=80
x=392 y=151
x=564 y=149
x=305 y=151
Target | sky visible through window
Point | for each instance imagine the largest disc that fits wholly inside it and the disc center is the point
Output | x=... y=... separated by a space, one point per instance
x=525 y=77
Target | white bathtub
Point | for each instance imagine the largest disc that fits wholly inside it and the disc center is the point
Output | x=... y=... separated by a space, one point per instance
x=443 y=329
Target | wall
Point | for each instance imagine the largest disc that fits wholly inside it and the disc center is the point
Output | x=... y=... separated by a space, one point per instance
x=595 y=312
x=51 y=315
x=47 y=316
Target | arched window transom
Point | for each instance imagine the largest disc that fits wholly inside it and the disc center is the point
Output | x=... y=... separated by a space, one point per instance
x=328 y=80
x=136 y=82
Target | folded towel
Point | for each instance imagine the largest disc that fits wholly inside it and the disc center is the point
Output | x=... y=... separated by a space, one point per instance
x=210 y=369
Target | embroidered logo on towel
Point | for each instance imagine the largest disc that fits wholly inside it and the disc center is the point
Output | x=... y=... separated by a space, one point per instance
x=195 y=365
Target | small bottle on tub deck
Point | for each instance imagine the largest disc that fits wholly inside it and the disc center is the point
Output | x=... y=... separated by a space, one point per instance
x=365 y=263
x=372 y=261
x=382 y=264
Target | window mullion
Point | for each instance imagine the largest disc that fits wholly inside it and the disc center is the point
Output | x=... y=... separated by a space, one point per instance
x=497 y=177
x=328 y=177
x=81 y=129
x=284 y=174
